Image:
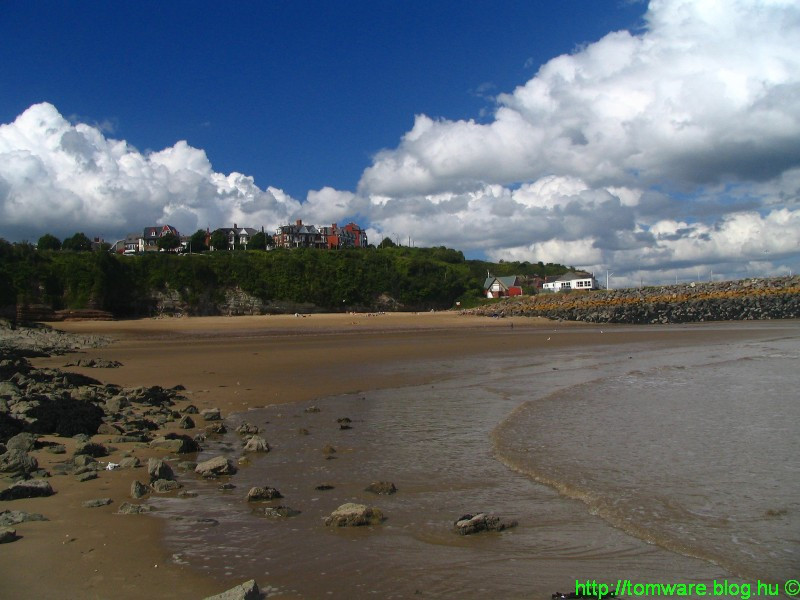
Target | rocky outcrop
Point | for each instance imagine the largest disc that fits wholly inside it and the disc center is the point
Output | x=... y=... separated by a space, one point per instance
x=44 y=341
x=748 y=299
x=51 y=401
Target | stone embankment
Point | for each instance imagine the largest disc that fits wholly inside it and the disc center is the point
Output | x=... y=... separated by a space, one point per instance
x=747 y=299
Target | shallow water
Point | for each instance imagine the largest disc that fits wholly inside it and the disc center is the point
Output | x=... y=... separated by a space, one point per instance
x=701 y=458
x=661 y=465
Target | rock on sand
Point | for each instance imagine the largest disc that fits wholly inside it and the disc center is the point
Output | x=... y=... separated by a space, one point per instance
x=354 y=515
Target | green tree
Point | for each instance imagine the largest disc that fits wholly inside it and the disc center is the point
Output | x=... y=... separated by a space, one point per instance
x=198 y=241
x=259 y=241
x=168 y=241
x=48 y=242
x=387 y=243
x=77 y=243
x=219 y=241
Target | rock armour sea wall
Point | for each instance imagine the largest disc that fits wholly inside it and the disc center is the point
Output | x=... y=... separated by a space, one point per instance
x=747 y=299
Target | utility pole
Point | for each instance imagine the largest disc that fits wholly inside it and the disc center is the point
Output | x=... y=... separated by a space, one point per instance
x=608 y=275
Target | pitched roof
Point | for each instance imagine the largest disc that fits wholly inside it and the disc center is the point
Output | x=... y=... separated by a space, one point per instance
x=507 y=281
x=573 y=275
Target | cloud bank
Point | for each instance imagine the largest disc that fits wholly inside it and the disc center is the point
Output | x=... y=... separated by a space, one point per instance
x=61 y=178
x=648 y=154
x=671 y=152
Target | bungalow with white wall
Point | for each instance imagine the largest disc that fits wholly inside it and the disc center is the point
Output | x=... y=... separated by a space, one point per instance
x=574 y=280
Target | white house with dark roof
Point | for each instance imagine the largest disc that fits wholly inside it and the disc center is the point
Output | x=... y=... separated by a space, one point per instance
x=574 y=280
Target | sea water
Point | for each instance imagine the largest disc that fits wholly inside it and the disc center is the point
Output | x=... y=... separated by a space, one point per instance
x=671 y=464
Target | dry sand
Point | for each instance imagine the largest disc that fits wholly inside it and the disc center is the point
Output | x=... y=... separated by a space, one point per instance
x=236 y=364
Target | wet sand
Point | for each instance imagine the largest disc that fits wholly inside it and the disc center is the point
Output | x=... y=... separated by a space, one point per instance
x=237 y=364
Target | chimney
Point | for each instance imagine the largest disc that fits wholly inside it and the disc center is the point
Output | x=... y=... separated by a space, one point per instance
x=235 y=226
x=299 y=222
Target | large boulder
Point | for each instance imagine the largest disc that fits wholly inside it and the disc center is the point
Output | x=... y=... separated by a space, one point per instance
x=8 y=535
x=109 y=429
x=22 y=441
x=381 y=487
x=211 y=414
x=32 y=488
x=139 y=490
x=17 y=463
x=354 y=515
x=177 y=443
x=469 y=524
x=263 y=493
x=128 y=508
x=214 y=467
x=158 y=469
x=256 y=444
x=162 y=486
x=15 y=517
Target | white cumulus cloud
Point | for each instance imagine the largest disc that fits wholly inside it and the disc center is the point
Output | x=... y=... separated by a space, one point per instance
x=60 y=178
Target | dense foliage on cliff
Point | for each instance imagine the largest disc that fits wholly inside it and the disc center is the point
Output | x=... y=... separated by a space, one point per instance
x=415 y=278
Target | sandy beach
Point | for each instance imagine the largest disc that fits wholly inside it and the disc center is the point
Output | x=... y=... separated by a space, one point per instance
x=237 y=364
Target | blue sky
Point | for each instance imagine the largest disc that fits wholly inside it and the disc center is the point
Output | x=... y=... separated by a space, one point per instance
x=655 y=139
x=298 y=94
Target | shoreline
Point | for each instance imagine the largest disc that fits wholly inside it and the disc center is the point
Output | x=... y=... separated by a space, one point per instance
x=224 y=362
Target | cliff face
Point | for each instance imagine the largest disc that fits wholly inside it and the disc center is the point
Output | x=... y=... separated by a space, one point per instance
x=748 y=299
